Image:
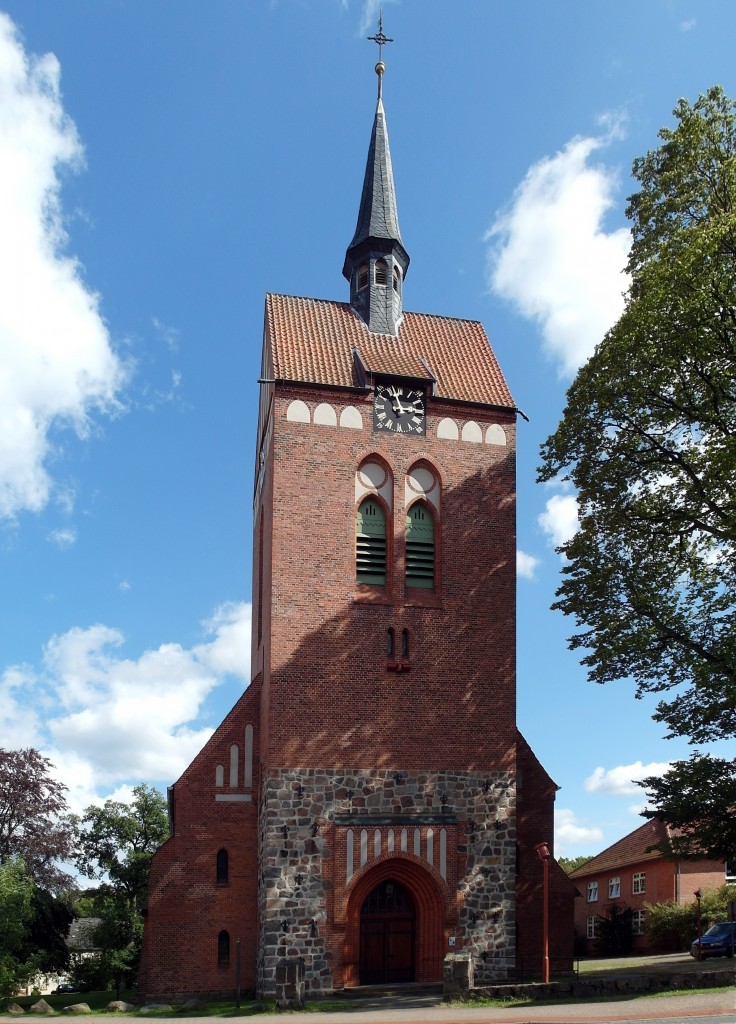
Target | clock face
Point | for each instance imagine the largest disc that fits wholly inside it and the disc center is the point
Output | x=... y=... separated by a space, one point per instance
x=398 y=409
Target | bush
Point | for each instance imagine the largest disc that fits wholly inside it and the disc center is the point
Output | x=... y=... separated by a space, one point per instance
x=674 y=926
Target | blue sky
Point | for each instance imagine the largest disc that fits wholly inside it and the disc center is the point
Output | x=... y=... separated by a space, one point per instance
x=162 y=166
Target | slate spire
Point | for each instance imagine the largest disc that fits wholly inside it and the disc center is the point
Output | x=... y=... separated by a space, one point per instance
x=376 y=260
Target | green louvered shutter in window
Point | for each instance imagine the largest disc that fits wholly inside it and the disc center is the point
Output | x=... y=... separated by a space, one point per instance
x=370 y=544
x=420 y=548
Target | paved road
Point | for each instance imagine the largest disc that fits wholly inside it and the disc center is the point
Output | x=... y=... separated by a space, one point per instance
x=708 y=1008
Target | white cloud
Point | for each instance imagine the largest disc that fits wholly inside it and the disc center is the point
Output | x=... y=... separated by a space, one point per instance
x=108 y=720
x=63 y=538
x=526 y=565
x=551 y=257
x=560 y=518
x=570 y=835
x=621 y=781
x=58 y=365
x=369 y=14
x=20 y=721
x=688 y=24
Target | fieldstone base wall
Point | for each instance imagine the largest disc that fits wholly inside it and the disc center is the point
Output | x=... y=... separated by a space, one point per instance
x=321 y=830
x=622 y=984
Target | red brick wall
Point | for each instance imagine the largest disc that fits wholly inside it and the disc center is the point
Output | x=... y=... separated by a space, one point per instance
x=186 y=907
x=535 y=824
x=665 y=880
x=332 y=700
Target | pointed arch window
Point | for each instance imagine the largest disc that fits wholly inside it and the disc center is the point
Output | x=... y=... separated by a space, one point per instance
x=381 y=272
x=362 y=276
x=396 y=274
x=420 y=547
x=370 y=544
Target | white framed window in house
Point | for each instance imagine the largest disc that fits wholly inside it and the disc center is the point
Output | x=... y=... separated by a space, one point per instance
x=639 y=882
x=614 y=888
x=731 y=869
x=592 y=892
x=638 y=922
x=591 y=927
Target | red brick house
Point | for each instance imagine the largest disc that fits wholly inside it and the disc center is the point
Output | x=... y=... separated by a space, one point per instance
x=368 y=805
x=630 y=874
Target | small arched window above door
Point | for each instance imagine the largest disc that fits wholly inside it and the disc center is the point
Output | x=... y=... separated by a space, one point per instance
x=420 y=547
x=370 y=544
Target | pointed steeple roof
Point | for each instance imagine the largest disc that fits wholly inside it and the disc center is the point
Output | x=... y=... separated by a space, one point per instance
x=378 y=216
x=376 y=260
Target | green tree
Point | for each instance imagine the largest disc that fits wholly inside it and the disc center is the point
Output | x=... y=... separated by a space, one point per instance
x=615 y=930
x=570 y=864
x=16 y=891
x=674 y=926
x=117 y=844
x=34 y=820
x=648 y=439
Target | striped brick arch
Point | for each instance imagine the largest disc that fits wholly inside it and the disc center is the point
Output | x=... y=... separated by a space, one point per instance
x=435 y=914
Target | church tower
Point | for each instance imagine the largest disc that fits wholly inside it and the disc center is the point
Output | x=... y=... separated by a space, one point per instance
x=368 y=806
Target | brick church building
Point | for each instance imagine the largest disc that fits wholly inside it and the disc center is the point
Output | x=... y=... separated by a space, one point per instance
x=368 y=805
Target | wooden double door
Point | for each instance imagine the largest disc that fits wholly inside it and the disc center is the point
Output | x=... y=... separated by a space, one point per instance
x=387 y=936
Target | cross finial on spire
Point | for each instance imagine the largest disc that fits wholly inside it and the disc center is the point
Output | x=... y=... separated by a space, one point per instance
x=381 y=39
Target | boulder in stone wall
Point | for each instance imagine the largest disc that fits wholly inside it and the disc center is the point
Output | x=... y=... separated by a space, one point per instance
x=77 y=1009
x=120 y=1006
x=42 y=1007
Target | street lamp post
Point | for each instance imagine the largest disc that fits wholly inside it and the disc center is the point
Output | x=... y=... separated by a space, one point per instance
x=544 y=855
x=698 y=895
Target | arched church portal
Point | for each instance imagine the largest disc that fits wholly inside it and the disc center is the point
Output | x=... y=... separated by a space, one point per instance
x=387 y=935
x=396 y=920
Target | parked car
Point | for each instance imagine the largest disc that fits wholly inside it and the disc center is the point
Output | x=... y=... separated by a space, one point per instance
x=66 y=987
x=719 y=940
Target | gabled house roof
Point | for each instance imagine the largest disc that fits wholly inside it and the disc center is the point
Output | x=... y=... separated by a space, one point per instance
x=80 y=938
x=632 y=849
x=316 y=341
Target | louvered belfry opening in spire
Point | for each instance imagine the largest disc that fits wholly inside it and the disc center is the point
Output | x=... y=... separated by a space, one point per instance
x=376 y=260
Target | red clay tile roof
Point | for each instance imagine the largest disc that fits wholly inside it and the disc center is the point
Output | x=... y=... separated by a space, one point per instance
x=312 y=341
x=632 y=849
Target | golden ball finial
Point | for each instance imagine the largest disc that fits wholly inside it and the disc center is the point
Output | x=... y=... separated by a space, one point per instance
x=380 y=67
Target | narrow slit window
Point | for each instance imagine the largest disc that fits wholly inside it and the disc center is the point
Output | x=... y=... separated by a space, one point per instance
x=420 y=547
x=389 y=642
x=370 y=544
x=223 y=948
x=222 y=867
x=381 y=272
x=397 y=279
x=404 y=643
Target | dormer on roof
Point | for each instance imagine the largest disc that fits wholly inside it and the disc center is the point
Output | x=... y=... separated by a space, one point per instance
x=376 y=261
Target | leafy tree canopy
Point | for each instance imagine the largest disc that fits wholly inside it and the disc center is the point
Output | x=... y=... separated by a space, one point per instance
x=16 y=891
x=696 y=798
x=118 y=841
x=34 y=820
x=570 y=864
x=648 y=439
